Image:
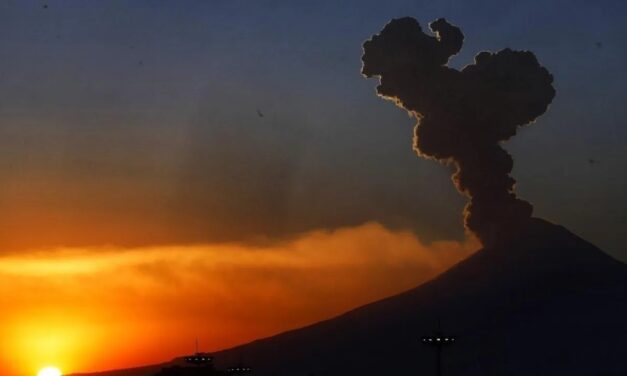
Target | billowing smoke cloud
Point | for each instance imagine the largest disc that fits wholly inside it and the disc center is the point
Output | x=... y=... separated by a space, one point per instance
x=463 y=115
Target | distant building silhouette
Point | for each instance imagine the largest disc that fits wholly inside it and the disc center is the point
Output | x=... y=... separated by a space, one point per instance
x=201 y=364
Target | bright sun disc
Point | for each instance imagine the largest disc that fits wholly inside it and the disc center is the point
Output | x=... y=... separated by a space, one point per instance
x=49 y=371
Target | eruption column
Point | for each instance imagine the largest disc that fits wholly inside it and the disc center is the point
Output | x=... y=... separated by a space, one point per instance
x=463 y=116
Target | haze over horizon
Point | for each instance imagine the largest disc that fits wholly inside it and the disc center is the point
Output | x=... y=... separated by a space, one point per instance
x=155 y=149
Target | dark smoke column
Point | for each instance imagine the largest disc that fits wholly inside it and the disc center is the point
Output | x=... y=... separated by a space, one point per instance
x=463 y=116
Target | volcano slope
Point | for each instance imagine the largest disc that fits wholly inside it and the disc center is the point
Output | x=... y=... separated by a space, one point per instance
x=545 y=303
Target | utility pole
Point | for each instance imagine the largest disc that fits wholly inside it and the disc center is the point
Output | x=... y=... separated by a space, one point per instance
x=439 y=341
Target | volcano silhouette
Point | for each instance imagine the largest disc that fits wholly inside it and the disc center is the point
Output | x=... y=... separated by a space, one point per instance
x=545 y=303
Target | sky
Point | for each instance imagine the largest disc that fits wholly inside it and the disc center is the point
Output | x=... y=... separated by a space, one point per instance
x=154 y=151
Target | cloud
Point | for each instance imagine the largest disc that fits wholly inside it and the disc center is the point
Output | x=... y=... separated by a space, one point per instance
x=161 y=298
x=464 y=115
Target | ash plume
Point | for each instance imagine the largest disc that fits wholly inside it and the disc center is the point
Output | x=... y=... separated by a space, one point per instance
x=463 y=115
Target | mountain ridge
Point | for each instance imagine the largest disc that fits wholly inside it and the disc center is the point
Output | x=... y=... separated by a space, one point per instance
x=505 y=301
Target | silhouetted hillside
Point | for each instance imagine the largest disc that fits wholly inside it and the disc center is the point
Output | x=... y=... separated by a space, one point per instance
x=137 y=371
x=546 y=303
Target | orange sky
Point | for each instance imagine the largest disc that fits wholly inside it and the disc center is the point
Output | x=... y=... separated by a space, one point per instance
x=164 y=168
x=101 y=308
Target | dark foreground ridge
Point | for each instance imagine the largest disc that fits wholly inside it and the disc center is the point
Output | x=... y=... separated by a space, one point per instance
x=545 y=303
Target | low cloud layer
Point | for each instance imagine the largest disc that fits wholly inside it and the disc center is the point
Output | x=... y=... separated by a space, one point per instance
x=70 y=305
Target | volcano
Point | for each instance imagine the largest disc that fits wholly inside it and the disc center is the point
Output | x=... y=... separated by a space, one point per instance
x=545 y=303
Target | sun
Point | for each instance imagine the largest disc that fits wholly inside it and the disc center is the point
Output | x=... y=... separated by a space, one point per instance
x=49 y=371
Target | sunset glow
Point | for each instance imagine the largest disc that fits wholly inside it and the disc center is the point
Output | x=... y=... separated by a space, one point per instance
x=311 y=187
x=49 y=371
x=89 y=309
